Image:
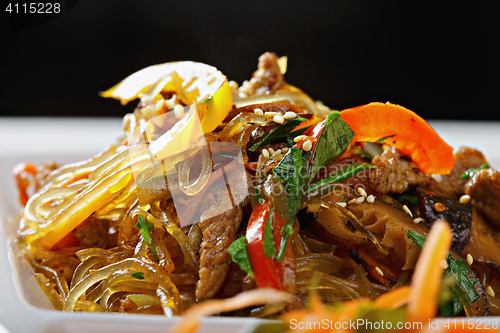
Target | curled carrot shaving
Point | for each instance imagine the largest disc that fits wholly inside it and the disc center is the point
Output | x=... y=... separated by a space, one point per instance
x=404 y=130
x=395 y=298
x=426 y=281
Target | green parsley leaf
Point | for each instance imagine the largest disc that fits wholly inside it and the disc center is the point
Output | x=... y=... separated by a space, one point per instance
x=268 y=241
x=291 y=172
x=207 y=99
x=381 y=140
x=333 y=142
x=146 y=227
x=280 y=132
x=457 y=268
x=286 y=231
x=469 y=173
x=239 y=253
x=340 y=176
x=138 y=275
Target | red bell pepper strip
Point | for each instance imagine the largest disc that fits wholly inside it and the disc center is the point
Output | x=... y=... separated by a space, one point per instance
x=409 y=133
x=268 y=272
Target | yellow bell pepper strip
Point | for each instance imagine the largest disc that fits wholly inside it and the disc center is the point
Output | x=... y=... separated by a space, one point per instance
x=192 y=82
x=404 y=130
x=77 y=213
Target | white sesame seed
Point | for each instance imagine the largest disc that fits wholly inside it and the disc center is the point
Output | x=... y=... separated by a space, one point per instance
x=278 y=151
x=370 y=198
x=159 y=105
x=407 y=210
x=233 y=85
x=351 y=202
x=298 y=138
x=307 y=145
x=258 y=111
x=437 y=177
x=444 y=264
x=470 y=259
x=179 y=111
x=360 y=200
x=378 y=270
x=490 y=291
x=418 y=220
x=290 y=115
x=362 y=191
x=464 y=199
x=265 y=153
x=271 y=151
x=284 y=150
x=270 y=114
x=342 y=204
x=278 y=119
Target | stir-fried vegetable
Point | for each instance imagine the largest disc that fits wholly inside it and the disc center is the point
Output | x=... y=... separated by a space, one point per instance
x=404 y=130
x=464 y=293
x=263 y=243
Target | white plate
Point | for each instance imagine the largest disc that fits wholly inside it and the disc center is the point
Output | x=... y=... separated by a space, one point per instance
x=23 y=307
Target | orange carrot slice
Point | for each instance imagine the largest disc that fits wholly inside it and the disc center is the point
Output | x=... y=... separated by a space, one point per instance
x=426 y=280
x=410 y=134
x=394 y=298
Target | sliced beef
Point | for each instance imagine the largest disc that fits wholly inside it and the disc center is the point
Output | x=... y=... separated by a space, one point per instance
x=394 y=174
x=452 y=186
x=218 y=233
x=484 y=190
x=266 y=79
x=458 y=215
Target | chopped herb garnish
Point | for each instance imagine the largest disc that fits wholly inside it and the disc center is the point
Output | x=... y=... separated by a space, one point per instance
x=333 y=142
x=340 y=176
x=239 y=253
x=280 y=132
x=138 y=275
x=286 y=231
x=381 y=140
x=297 y=169
x=457 y=268
x=207 y=99
x=291 y=172
x=146 y=227
x=268 y=242
x=343 y=196
x=469 y=173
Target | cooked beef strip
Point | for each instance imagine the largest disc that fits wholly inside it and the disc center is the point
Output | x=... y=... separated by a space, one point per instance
x=452 y=186
x=484 y=190
x=218 y=233
x=394 y=174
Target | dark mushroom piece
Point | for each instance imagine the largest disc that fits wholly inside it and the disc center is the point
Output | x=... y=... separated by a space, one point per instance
x=458 y=215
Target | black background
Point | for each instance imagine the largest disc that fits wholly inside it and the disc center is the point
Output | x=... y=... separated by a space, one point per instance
x=440 y=59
